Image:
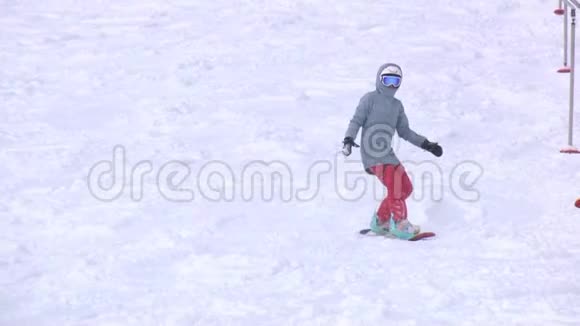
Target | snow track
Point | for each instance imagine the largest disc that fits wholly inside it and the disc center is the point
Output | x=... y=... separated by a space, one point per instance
x=237 y=81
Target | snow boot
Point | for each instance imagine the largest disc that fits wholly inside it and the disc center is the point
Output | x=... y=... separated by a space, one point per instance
x=377 y=227
x=403 y=229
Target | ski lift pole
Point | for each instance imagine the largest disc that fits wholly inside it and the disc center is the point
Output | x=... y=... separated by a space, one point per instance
x=559 y=11
x=565 y=68
x=572 y=71
x=573 y=4
x=565 y=34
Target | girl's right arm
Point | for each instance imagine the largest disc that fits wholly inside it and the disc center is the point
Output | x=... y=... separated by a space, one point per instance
x=359 y=118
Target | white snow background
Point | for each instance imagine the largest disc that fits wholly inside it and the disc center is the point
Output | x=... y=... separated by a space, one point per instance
x=236 y=81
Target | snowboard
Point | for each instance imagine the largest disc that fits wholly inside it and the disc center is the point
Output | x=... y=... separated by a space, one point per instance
x=419 y=236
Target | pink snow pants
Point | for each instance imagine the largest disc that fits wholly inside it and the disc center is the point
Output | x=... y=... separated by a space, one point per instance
x=399 y=188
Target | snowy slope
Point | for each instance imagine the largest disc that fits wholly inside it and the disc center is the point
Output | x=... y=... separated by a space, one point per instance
x=238 y=81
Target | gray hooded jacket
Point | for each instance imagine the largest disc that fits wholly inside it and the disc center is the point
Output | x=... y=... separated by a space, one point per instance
x=380 y=114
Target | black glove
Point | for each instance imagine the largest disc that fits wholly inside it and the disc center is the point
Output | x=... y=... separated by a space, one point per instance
x=434 y=148
x=348 y=143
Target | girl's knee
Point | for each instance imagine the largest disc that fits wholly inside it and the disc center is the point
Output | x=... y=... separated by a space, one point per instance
x=408 y=191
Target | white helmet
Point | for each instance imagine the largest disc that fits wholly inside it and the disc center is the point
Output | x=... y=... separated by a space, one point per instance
x=392 y=70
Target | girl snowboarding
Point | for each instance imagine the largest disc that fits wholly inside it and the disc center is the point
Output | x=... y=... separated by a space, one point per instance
x=380 y=114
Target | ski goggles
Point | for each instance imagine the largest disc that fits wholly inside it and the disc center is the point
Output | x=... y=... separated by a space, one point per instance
x=391 y=80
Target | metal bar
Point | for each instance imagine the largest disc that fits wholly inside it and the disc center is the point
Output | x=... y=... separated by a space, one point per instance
x=573 y=3
x=572 y=71
x=565 y=34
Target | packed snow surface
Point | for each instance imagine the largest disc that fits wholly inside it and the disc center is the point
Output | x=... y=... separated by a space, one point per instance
x=205 y=91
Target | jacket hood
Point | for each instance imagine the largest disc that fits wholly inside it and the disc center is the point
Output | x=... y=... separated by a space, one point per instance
x=387 y=68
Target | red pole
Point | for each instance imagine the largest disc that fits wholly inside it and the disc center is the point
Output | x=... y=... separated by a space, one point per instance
x=559 y=11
